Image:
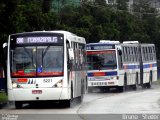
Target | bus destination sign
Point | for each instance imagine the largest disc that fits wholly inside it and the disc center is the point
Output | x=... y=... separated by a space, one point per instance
x=36 y=40
x=100 y=47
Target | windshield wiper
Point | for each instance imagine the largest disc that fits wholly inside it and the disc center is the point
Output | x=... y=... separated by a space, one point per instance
x=45 y=51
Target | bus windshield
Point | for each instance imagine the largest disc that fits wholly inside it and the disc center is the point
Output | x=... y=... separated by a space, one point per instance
x=101 y=60
x=37 y=61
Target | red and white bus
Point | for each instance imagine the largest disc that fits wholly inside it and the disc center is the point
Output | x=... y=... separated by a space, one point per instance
x=119 y=65
x=45 y=66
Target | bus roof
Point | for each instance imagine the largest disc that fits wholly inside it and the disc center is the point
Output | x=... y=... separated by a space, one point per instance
x=109 y=41
x=131 y=42
x=56 y=31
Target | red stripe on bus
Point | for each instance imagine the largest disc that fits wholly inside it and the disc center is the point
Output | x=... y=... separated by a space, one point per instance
x=100 y=52
x=150 y=65
x=22 y=80
x=99 y=74
x=50 y=73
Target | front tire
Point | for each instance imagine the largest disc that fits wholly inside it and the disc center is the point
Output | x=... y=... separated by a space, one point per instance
x=18 y=104
x=65 y=103
x=82 y=91
x=90 y=90
x=124 y=87
x=136 y=82
x=121 y=88
x=149 y=85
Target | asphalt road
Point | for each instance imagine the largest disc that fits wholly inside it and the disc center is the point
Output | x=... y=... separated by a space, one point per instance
x=96 y=105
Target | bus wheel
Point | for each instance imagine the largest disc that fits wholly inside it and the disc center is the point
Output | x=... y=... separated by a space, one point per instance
x=65 y=103
x=86 y=85
x=82 y=92
x=121 y=88
x=18 y=104
x=90 y=90
x=148 y=85
x=125 y=83
x=104 y=89
x=144 y=86
x=124 y=87
x=71 y=91
x=68 y=103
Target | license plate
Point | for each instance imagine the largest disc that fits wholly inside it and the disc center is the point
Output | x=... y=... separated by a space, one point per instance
x=98 y=83
x=91 y=79
x=36 y=91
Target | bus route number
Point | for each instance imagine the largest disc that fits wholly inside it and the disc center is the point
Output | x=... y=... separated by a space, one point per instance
x=47 y=80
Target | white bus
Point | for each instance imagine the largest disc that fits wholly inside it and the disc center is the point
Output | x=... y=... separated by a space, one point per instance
x=45 y=66
x=120 y=65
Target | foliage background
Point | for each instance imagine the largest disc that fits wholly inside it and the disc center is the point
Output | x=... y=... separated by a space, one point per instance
x=93 y=21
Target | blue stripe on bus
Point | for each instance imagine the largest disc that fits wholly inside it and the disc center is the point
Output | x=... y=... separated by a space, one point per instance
x=146 y=66
x=90 y=74
x=154 y=65
x=137 y=66
x=102 y=44
x=132 y=66
x=112 y=73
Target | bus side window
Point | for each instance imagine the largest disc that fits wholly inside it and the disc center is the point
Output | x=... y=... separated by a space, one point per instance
x=68 y=60
x=150 y=54
x=132 y=54
x=145 y=57
x=123 y=54
x=137 y=53
x=147 y=54
x=120 y=59
x=143 y=54
x=154 y=53
x=129 y=52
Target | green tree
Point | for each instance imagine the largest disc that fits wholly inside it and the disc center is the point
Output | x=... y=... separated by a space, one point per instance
x=122 y=5
x=46 y=5
x=92 y=20
x=142 y=9
x=100 y=2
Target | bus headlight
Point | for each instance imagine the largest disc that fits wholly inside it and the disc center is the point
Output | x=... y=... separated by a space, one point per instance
x=14 y=85
x=59 y=84
x=115 y=77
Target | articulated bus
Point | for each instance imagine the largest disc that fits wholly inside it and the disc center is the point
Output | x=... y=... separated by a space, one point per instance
x=45 y=66
x=112 y=64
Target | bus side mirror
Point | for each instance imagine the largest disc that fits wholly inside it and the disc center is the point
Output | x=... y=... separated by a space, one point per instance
x=5 y=45
x=71 y=53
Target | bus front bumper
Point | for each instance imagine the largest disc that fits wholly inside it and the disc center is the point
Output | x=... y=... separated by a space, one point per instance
x=103 y=83
x=32 y=94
